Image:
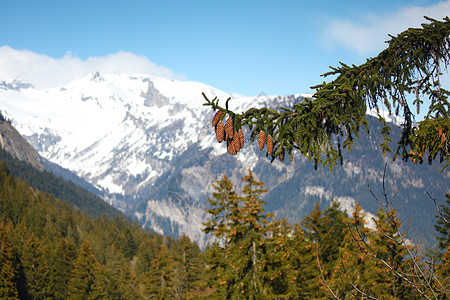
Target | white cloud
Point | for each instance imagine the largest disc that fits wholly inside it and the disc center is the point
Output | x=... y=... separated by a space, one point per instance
x=367 y=36
x=43 y=71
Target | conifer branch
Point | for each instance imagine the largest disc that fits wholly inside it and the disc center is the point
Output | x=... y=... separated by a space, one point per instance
x=410 y=65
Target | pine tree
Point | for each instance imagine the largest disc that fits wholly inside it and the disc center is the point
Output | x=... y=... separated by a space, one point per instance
x=354 y=271
x=246 y=250
x=304 y=263
x=119 y=281
x=188 y=266
x=158 y=282
x=8 y=272
x=35 y=268
x=87 y=281
x=224 y=205
x=280 y=250
x=61 y=266
x=325 y=229
x=389 y=249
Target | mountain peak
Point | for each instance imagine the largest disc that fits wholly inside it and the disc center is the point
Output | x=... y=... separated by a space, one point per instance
x=96 y=77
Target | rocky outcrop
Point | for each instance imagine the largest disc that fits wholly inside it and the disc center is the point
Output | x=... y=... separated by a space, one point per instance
x=12 y=142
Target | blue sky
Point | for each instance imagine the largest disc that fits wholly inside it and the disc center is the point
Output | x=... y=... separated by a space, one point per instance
x=244 y=47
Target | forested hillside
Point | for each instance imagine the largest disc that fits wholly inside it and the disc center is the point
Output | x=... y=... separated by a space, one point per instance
x=50 y=250
x=42 y=180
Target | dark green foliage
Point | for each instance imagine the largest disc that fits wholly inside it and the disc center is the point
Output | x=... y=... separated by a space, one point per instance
x=61 y=264
x=44 y=181
x=320 y=127
x=49 y=250
x=333 y=255
x=8 y=264
x=87 y=281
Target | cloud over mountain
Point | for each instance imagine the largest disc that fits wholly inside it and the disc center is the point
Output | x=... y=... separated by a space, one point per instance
x=369 y=34
x=44 y=71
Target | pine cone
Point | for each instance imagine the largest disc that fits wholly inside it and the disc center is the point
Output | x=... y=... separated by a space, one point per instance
x=229 y=128
x=220 y=132
x=269 y=144
x=236 y=143
x=216 y=118
x=241 y=138
x=261 y=140
x=230 y=147
x=281 y=156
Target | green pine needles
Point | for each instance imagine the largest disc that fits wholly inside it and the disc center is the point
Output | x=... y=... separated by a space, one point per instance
x=320 y=127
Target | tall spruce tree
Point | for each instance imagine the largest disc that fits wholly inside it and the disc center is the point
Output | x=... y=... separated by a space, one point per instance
x=61 y=265
x=35 y=269
x=158 y=281
x=224 y=207
x=247 y=243
x=87 y=281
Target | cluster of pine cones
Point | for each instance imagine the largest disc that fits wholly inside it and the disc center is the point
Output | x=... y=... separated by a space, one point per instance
x=235 y=139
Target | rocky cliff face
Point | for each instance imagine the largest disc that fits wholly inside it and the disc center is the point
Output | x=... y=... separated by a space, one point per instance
x=12 y=142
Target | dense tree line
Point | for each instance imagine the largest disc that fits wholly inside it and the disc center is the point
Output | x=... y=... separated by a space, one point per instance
x=48 y=250
x=68 y=191
x=328 y=255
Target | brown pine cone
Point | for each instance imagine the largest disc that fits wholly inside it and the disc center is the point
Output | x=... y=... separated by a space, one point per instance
x=269 y=144
x=216 y=118
x=241 y=138
x=220 y=132
x=236 y=143
x=261 y=140
x=229 y=128
x=281 y=156
x=230 y=147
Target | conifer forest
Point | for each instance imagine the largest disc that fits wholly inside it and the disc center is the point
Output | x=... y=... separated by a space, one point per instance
x=51 y=248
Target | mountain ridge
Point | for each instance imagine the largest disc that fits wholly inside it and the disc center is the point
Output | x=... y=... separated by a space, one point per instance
x=148 y=144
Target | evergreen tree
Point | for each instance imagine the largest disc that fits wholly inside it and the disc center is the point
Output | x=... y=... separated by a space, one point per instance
x=188 y=267
x=224 y=205
x=35 y=269
x=325 y=229
x=61 y=267
x=304 y=263
x=8 y=272
x=119 y=281
x=389 y=249
x=353 y=274
x=280 y=249
x=87 y=281
x=247 y=244
x=158 y=282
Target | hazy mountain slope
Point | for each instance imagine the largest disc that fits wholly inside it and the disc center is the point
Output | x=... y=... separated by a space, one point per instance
x=147 y=143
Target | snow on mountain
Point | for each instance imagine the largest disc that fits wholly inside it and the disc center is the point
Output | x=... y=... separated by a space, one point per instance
x=121 y=132
x=148 y=144
x=95 y=118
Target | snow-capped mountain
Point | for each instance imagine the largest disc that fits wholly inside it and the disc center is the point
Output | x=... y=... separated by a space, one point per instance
x=121 y=133
x=148 y=143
